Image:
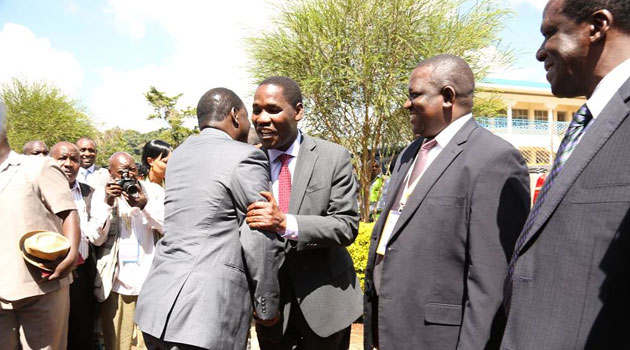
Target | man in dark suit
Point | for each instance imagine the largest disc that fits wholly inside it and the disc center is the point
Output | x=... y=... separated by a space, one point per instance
x=316 y=213
x=82 y=301
x=210 y=270
x=458 y=198
x=568 y=287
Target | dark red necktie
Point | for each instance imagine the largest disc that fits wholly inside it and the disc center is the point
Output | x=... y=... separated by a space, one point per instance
x=284 y=183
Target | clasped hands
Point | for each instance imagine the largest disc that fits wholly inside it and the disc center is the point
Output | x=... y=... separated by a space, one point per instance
x=266 y=216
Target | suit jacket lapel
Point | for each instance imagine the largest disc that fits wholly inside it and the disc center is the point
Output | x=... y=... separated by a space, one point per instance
x=592 y=141
x=303 y=172
x=404 y=163
x=433 y=173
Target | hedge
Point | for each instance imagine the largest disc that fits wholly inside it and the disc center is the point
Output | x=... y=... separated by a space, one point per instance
x=359 y=249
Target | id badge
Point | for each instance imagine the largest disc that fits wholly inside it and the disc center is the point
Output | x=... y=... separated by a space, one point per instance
x=392 y=218
x=129 y=251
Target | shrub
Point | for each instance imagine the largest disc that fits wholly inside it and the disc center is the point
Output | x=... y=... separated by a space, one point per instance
x=359 y=249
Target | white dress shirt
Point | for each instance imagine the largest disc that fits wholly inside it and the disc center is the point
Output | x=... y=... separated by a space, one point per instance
x=77 y=195
x=291 y=231
x=136 y=241
x=92 y=177
x=607 y=87
x=443 y=138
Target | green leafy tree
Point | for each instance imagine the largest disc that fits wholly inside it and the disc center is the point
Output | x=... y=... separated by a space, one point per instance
x=40 y=111
x=353 y=58
x=165 y=108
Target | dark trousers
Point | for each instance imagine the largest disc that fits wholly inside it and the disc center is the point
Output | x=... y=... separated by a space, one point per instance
x=299 y=336
x=154 y=343
x=82 y=307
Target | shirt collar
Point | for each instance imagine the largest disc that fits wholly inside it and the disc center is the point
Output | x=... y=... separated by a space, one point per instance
x=90 y=169
x=76 y=186
x=445 y=136
x=607 y=87
x=293 y=150
x=219 y=132
x=12 y=159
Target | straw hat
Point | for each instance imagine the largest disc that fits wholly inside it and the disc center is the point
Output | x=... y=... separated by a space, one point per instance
x=44 y=249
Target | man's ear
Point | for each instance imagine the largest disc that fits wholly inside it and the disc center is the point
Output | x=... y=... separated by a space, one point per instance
x=600 y=23
x=234 y=117
x=300 y=111
x=448 y=95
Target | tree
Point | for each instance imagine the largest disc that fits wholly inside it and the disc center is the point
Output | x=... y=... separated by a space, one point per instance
x=40 y=111
x=165 y=109
x=353 y=58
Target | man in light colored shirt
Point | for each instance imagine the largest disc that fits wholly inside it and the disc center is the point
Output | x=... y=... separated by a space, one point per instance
x=457 y=199
x=82 y=302
x=34 y=195
x=568 y=288
x=90 y=173
x=127 y=220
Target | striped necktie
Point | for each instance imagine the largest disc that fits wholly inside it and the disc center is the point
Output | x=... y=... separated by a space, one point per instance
x=576 y=129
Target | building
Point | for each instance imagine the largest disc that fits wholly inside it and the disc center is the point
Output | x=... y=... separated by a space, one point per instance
x=534 y=120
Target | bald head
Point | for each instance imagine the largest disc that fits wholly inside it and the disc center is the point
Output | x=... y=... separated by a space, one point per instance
x=120 y=162
x=35 y=148
x=215 y=105
x=450 y=70
x=66 y=154
x=56 y=148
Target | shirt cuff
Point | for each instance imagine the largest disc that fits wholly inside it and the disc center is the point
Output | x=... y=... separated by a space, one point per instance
x=291 y=231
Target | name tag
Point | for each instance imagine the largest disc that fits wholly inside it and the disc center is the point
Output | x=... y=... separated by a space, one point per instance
x=128 y=250
x=392 y=218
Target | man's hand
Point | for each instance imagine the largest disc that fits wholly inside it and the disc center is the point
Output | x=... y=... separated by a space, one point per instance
x=64 y=268
x=138 y=201
x=266 y=216
x=112 y=191
x=266 y=323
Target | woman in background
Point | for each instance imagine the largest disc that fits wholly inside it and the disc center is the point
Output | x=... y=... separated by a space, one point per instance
x=155 y=156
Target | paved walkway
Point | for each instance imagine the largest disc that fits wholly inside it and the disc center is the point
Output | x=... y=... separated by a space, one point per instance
x=356 y=338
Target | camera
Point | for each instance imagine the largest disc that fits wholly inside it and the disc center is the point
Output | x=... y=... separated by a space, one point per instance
x=128 y=183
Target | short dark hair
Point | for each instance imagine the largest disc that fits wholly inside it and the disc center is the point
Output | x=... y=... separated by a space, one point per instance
x=153 y=149
x=454 y=71
x=290 y=89
x=215 y=105
x=580 y=10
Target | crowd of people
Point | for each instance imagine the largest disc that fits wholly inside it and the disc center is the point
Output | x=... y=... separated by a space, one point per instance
x=185 y=248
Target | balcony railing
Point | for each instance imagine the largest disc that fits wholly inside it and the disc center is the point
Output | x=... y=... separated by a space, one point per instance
x=522 y=126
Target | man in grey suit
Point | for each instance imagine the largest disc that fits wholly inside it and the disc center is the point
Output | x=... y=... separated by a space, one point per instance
x=210 y=268
x=457 y=200
x=568 y=286
x=316 y=214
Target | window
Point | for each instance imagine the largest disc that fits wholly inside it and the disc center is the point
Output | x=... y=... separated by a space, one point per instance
x=562 y=116
x=520 y=114
x=540 y=116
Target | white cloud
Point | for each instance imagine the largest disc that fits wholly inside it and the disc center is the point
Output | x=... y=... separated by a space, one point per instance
x=538 y=4
x=34 y=59
x=208 y=52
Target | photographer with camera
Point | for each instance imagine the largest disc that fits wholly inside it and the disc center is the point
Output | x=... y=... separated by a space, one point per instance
x=127 y=213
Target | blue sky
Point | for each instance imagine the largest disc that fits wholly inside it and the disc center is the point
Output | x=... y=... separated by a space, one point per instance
x=106 y=53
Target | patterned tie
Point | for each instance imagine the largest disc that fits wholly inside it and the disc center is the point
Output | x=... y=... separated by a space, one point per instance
x=284 y=183
x=577 y=127
x=421 y=162
x=419 y=166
